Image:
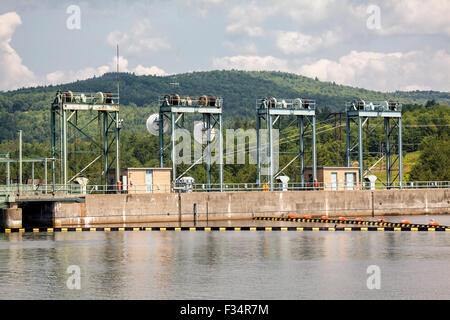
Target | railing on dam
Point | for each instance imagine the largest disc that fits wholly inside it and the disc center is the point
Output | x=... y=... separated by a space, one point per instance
x=38 y=189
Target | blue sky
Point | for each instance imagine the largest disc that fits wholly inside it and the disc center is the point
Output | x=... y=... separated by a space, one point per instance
x=381 y=45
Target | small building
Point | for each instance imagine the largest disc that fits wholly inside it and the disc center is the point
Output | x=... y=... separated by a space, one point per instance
x=145 y=180
x=334 y=178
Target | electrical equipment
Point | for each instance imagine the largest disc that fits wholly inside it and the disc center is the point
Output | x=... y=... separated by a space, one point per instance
x=152 y=124
x=201 y=133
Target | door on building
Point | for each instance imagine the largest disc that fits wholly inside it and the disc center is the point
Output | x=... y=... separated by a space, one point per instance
x=349 y=180
x=148 y=181
x=334 y=181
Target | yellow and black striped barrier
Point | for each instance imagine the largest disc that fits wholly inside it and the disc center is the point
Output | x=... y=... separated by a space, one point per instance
x=420 y=227
x=246 y=228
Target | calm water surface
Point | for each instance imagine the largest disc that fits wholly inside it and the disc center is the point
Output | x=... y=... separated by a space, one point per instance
x=224 y=265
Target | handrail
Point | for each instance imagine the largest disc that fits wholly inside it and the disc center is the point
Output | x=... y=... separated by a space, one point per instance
x=41 y=189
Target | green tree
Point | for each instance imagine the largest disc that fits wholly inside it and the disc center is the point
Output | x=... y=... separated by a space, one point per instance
x=433 y=163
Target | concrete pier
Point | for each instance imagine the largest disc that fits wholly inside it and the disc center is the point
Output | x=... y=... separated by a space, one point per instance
x=111 y=209
x=11 y=217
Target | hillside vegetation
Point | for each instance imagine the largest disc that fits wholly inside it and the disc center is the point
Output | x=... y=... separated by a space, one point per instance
x=426 y=117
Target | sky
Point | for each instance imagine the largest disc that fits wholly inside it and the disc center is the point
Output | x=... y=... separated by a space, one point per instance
x=384 y=45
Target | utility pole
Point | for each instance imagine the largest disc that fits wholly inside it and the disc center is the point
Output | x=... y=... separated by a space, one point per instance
x=20 y=161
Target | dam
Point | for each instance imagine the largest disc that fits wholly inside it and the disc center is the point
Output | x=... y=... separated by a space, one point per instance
x=75 y=194
x=130 y=209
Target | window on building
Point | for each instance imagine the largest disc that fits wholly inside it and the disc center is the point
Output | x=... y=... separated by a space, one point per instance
x=350 y=180
x=334 y=180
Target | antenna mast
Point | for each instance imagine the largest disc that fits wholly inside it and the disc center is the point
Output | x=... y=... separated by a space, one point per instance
x=117 y=74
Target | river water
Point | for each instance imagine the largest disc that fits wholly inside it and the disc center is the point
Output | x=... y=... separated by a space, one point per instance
x=227 y=265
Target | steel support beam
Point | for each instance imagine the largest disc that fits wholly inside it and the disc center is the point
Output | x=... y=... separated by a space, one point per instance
x=20 y=161
x=392 y=121
x=45 y=175
x=53 y=138
x=8 y=174
x=117 y=138
x=208 y=150
x=347 y=142
x=258 y=148
x=174 y=156
x=161 y=140
x=212 y=118
x=388 y=151
x=271 y=116
x=301 y=151
x=64 y=143
x=32 y=175
x=271 y=173
x=314 y=161
x=105 y=140
x=220 y=153
x=105 y=148
x=400 y=153
x=360 y=150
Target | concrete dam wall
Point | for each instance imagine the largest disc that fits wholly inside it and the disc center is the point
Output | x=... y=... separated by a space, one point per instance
x=131 y=208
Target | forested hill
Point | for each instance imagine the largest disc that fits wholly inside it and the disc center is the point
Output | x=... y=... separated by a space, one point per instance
x=240 y=89
x=426 y=119
x=27 y=109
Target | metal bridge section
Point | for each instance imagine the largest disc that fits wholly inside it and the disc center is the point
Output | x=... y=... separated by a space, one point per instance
x=4 y=158
x=173 y=109
x=366 y=117
x=270 y=112
x=85 y=117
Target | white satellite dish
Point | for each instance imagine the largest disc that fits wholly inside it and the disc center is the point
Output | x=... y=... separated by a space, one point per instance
x=99 y=98
x=201 y=133
x=384 y=105
x=153 y=124
x=297 y=103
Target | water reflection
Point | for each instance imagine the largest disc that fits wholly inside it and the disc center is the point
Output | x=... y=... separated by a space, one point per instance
x=221 y=265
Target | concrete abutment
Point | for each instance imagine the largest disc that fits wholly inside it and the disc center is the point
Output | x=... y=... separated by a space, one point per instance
x=113 y=209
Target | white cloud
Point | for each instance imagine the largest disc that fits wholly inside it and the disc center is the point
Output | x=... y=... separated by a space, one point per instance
x=415 y=87
x=295 y=42
x=252 y=17
x=58 y=77
x=201 y=7
x=251 y=31
x=144 y=71
x=251 y=63
x=138 y=39
x=385 y=71
x=13 y=74
x=310 y=11
x=415 y=17
x=247 y=18
x=212 y=1
x=248 y=48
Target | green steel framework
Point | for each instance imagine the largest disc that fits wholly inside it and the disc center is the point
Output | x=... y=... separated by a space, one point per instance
x=64 y=114
x=366 y=117
x=306 y=116
x=175 y=114
x=4 y=158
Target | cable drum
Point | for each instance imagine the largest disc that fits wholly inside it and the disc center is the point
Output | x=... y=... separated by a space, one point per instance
x=67 y=96
x=203 y=101
x=201 y=133
x=99 y=98
x=212 y=101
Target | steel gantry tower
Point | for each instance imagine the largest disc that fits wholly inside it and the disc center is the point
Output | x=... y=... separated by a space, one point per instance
x=269 y=114
x=77 y=118
x=366 y=117
x=173 y=109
